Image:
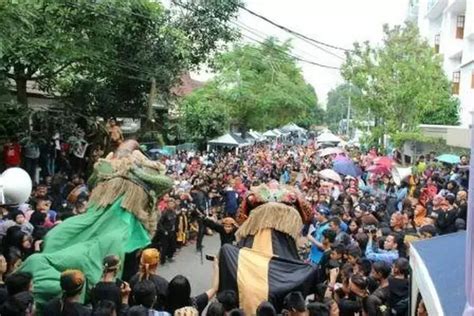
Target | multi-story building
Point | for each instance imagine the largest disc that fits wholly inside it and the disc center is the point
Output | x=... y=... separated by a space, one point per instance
x=448 y=25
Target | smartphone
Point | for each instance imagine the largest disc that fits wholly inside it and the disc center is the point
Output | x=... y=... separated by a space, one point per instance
x=119 y=283
x=210 y=258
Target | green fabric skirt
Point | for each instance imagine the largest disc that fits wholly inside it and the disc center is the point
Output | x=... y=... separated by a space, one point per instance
x=81 y=242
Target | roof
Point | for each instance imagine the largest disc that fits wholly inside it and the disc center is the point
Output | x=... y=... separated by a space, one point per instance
x=229 y=139
x=439 y=271
x=186 y=86
x=292 y=127
x=255 y=135
x=270 y=133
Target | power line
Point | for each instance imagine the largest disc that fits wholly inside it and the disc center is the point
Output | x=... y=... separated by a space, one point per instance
x=295 y=57
x=290 y=30
x=255 y=32
x=301 y=59
x=300 y=38
x=264 y=44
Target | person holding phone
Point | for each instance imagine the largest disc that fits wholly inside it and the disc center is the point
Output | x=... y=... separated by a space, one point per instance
x=110 y=287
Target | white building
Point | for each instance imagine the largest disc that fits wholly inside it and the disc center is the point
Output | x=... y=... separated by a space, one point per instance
x=448 y=25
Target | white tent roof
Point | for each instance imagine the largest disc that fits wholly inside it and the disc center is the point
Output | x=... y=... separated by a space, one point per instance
x=277 y=132
x=229 y=139
x=328 y=137
x=270 y=133
x=292 y=127
x=256 y=135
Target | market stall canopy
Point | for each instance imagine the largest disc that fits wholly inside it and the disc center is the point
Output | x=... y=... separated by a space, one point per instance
x=277 y=132
x=439 y=277
x=292 y=127
x=229 y=139
x=256 y=135
x=328 y=137
x=270 y=134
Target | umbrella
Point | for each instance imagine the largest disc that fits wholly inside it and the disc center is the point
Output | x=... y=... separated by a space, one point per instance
x=342 y=158
x=346 y=167
x=330 y=175
x=381 y=165
x=379 y=169
x=330 y=151
x=384 y=161
x=449 y=158
x=163 y=152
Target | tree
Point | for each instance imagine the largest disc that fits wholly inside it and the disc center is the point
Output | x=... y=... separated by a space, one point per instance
x=102 y=55
x=261 y=87
x=204 y=116
x=402 y=82
x=337 y=103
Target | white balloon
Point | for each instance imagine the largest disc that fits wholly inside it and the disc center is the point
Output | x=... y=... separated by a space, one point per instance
x=15 y=186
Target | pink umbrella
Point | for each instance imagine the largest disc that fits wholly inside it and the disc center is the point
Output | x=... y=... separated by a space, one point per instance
x=381 y=165
x=384 y=161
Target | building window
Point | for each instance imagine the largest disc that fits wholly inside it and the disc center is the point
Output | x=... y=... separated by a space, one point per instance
x=456 y=81
x=460 y=26
x=436 y=43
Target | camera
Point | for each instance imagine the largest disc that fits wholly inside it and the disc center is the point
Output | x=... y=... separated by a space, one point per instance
x=371 y=229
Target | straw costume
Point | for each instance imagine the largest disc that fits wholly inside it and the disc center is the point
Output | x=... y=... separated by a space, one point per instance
x=120 y=218
x=265 y=266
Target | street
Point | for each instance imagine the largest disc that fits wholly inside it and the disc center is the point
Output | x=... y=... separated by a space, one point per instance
x=188 y=263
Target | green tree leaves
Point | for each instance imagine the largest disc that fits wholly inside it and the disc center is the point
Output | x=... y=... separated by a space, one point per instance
x=258 y=87
x=101 y=55
x=402 y=82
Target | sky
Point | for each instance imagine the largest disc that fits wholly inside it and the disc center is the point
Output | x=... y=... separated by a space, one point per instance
x=336 y=22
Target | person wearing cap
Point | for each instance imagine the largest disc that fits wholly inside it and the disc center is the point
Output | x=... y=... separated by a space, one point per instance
x=149 y=262
x=315 y=234
x=72 y=282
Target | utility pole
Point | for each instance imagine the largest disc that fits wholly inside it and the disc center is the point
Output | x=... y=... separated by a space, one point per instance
x=349 y=110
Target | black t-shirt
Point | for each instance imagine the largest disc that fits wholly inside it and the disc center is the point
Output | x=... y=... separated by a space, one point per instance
x=3 y=294
x=161 y=286
x=399 y=290
x=57 y=307
x=106 y=291
x=200 y=302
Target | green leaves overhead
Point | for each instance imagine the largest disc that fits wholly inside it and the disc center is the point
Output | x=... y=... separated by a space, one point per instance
x=259 y=87
x=101 y=55
x=402 y=82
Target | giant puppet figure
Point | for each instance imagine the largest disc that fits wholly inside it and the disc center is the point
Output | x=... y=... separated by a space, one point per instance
x=265 y=265
x=120 y=218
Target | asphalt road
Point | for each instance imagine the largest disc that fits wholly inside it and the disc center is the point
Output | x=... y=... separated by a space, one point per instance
x=188 y=262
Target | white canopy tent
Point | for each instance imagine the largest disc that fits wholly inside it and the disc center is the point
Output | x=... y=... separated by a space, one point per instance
x=292 y=127
x=256 y=136
x=228 y=140
x=271 y=134
x=328 y=137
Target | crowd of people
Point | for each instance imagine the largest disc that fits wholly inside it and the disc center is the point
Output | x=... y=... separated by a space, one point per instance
x=359 y=239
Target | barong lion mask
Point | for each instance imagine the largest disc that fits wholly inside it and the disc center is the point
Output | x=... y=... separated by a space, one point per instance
x=273 y=206
x=129 y=173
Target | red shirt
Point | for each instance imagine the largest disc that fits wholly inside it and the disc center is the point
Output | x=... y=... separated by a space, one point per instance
x=12 y=154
